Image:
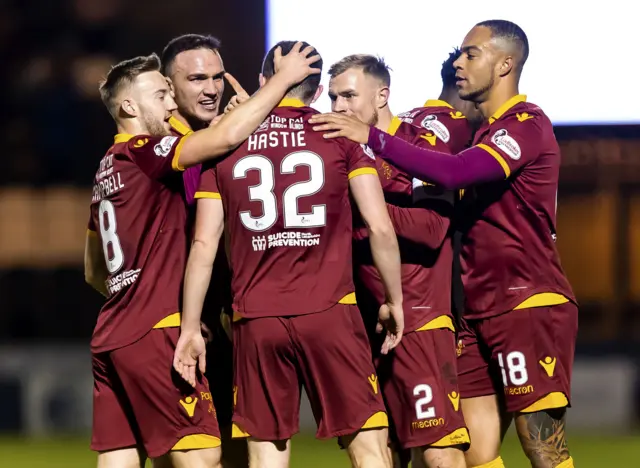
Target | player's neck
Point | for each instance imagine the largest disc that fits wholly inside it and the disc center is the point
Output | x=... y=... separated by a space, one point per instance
x=497 y=97
x=131 y=127
x=450 y=96
x=385 y=116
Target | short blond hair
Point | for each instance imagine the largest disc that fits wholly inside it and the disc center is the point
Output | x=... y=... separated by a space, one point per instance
x=370 y=65
x=122 y=75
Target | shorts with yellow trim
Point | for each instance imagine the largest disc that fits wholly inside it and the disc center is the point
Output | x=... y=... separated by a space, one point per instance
x=139 y=400
x=326 y=352
x=420 y=387
x=525 y=356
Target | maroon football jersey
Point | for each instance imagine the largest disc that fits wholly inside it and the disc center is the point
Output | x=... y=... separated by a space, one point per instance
x=426 y=272
x=288 y=216
x=191 y=176
x=441 y=119
x=509 y=227
x=139 y=214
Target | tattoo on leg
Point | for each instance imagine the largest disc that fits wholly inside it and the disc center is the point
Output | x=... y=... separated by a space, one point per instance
x=542 y=435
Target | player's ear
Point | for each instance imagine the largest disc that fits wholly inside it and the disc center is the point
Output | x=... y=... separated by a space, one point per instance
x=262 y=80
x=383 y=97
x=172 y=89
x=129 y=108
x=319 y=92
x=506 y=65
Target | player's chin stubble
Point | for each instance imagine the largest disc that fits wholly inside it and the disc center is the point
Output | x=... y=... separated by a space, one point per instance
x=476 y=95
x=542 y=435
x=154 y=127
x=373 y=121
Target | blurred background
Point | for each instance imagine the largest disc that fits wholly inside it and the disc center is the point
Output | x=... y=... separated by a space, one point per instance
x=54 y=130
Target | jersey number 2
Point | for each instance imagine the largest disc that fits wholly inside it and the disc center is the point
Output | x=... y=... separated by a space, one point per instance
x=263 y=192
x=114 y=257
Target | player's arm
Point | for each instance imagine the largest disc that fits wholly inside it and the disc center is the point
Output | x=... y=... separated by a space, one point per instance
x=486 y=162
x=426 y=223
x=368 y=196
x=95 y=268
x=191 y=349
x=204 y=247
x=237 y=125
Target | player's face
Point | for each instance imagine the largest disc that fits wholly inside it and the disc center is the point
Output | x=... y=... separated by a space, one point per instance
x=476 y=66
x=355 y=93
x=198 y=82
x=155 y=104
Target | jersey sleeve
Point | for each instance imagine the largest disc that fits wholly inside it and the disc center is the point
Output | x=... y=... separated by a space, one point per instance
x=191 y=180
x=423 y=225
x=209 y=184
x=360 y=160
x=424 y=137
x=157 y=156
x=514 y=143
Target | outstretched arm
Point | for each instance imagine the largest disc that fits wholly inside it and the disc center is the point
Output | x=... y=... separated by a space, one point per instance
x=473 y=166
x=238 y=125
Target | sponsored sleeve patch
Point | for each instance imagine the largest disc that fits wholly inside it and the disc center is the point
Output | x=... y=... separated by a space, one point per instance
x=431 y=123
x=163 y=148
x=507 y=144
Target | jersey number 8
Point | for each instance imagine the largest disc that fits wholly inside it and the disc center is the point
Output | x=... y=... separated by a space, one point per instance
x=263 y=192
x=114 y=257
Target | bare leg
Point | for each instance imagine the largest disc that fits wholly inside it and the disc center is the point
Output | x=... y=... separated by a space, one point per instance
x=482 y=416
x=122 y=458
x=368 y=449
x=269 y=454
x=542 y=436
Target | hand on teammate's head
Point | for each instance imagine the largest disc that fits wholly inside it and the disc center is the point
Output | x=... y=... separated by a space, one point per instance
x=296 y=65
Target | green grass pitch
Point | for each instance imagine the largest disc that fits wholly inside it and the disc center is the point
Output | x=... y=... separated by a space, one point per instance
x=589 y=451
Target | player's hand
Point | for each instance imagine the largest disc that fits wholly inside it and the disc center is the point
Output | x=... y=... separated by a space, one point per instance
x=296 y=65
x=190 y=352
x=240 y=97
x=235 y=101
x=207 y=334
x=341 y=125
x=391 y=319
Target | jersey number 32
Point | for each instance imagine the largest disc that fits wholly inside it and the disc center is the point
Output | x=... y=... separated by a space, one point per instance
x=264 y=191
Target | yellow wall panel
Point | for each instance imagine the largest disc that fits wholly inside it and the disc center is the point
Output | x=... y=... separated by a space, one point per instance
x=586 y=230
x=634 y=248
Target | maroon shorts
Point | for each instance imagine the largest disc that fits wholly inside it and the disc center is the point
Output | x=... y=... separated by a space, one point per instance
x=524 y=355
x=139 y=400
x=420 y=386
x=327 y=352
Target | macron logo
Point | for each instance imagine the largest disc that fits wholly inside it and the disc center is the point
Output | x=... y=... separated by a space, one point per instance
x=383 y=142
